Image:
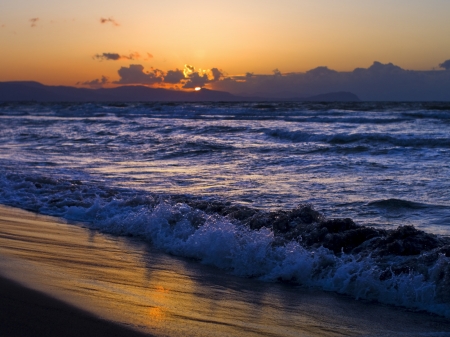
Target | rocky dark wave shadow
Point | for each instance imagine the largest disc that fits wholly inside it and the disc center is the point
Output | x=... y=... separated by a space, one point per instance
x=405 y=250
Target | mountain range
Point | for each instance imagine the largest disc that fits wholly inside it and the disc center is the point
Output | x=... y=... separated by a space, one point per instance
x=35 y=91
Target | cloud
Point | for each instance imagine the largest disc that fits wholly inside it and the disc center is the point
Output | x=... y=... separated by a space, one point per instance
x=200 y=78
x=188 y=78
x=196 y=80
x=34 y=22
x=132 y=56
x=320 y=71
x=107 y=56
x=276 y=72
x=379 y=82
x=188 y=70
x=109 y=20
x=135 y=74
x=445 y=65
x=150 y=56
x=97 y=83
x=116 y=56
x=174 y=76
x=216 y=74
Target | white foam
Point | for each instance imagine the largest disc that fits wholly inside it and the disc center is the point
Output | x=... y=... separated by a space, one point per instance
x=221 y=243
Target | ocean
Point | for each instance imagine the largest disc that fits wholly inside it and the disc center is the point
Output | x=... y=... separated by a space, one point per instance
x=350 y=198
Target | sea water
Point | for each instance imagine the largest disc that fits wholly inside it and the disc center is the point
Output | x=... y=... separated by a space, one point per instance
x=252 y=188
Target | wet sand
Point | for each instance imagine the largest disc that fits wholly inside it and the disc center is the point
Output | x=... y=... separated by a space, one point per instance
x=121 y=283
x=25 y=312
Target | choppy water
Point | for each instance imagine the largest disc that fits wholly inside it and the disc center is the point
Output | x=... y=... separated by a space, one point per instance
x=209 y=181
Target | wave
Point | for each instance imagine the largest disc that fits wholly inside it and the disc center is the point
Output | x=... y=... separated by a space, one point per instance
x=397 y=204
x=406 y=205
x=364 y=138
x=351 y=120
x=437 y=112
x=402 y=266
x=190 y=148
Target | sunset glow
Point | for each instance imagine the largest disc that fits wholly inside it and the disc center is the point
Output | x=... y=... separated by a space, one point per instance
x=104 y=44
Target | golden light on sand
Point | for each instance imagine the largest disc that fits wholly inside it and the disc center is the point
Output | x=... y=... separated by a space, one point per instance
x=198 y=88
x=161 y=289
x=156 y=313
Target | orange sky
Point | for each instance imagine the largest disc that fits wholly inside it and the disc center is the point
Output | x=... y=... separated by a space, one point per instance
x=55 y=42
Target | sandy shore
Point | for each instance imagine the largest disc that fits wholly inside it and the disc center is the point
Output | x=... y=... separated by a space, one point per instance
x=26 y=312
x=38 y=294
x=72 y=281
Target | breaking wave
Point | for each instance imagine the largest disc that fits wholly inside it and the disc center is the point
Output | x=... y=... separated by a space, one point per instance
x=402 y=266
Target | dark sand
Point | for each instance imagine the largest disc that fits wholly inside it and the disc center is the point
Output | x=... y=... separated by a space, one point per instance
x=25 y=312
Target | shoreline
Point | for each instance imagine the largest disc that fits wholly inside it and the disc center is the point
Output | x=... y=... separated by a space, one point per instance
x=72 y=281
x=26 y=312
x=32 y=301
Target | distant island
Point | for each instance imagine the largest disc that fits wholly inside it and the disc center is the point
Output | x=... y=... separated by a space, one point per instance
x=35 y=91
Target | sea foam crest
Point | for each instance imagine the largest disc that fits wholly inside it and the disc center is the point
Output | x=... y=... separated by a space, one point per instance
x=246 y=250
x=227 y=245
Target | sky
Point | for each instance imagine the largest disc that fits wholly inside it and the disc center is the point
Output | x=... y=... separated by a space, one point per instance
x=97 y=43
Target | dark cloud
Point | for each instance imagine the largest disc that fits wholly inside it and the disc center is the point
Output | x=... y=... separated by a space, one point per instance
x=380 y=69
x=174 y=76
x=34 y=22
x=107 y=56
x=188 y=78
x=135 y=74
x=377 y=82
x=200 y=78
x=216 y=74
x=109 y=20
x=445 y=65
x=196 y=80
x=321 y=71
x=97 y=83
x=116 y=56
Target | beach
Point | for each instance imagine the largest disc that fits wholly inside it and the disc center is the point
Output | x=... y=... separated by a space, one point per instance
x=29 y=304
x=25 y=312
x=75 y=281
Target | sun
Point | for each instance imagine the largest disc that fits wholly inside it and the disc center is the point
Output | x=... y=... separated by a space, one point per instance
x=198 y=88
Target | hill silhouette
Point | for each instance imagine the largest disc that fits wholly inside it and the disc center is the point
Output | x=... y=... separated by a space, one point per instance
x=35 y=91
